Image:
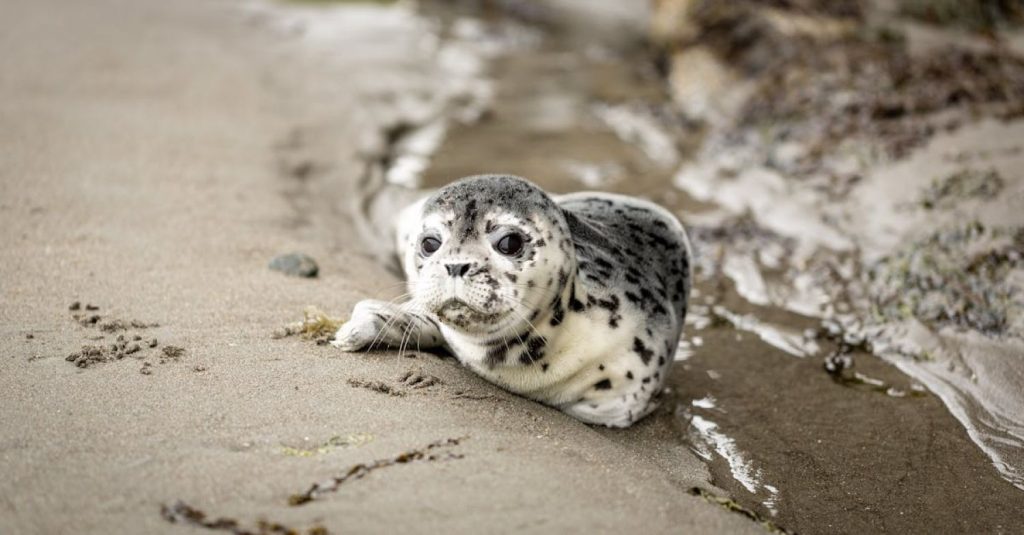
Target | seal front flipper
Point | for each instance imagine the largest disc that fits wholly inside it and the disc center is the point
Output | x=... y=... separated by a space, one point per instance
x=379 y=324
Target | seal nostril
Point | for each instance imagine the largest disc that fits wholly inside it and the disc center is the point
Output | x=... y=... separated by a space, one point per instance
x=457 y=270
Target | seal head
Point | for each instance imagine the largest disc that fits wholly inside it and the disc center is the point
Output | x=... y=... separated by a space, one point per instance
x=488 y=256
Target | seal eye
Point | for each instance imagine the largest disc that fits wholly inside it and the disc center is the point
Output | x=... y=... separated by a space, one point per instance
x=429 y=245
x=510 y=244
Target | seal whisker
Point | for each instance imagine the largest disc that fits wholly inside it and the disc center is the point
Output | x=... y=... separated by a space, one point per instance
x=524 y=318
x=390 y=321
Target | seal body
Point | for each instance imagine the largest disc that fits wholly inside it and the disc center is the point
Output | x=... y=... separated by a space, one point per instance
x=576 y=301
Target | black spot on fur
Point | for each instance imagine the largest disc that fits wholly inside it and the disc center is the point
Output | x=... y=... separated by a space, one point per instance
x=611 y=304
x=629 y=375
x=603 y=384
x=563 y=277
x=495 y=355
x=640 y=349
x=575 y=304
x=534 y=350
x=558 y=314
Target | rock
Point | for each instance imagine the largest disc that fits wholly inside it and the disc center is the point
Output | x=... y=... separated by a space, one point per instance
x=296 y=265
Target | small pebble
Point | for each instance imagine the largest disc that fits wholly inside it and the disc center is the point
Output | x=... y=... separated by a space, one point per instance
x=75 y=306
x=838 y=363
x=29 y=336
x=152 y=343
x=295 y=265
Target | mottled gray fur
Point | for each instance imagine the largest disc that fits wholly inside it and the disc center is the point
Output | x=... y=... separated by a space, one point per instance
x=586 y=316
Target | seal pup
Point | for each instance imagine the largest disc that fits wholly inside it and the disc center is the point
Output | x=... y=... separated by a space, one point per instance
x=576 y=301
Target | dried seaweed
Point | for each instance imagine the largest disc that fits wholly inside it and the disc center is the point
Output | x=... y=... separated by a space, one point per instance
x=879 y=92
x=361 y=470
x=956 y=277
x=316 y=325
x=963 y=185
x=982 y=16
x=182 y=513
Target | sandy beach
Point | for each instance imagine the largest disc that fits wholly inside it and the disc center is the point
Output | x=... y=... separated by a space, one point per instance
x=848 y=172
x=145 y=170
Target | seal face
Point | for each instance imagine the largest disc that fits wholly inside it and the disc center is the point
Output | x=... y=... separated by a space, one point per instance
x=482 y=259
x=576 y=301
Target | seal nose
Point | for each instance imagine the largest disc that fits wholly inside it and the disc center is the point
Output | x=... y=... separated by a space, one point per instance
x=457 y=270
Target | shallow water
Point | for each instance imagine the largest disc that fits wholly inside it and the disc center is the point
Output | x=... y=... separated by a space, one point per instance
x=866 y=448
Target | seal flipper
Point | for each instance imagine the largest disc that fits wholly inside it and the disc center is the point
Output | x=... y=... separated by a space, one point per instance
x=378 y=324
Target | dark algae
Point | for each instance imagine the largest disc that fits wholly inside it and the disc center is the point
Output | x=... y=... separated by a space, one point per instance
x=361 y=470
x=185 y=514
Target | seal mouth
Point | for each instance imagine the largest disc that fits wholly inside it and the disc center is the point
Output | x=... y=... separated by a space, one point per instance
x=461 y=314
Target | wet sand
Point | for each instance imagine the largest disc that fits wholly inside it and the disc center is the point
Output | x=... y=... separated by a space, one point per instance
x=156 y=157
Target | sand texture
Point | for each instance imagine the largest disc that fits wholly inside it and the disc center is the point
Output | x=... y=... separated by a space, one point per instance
x=154 y=157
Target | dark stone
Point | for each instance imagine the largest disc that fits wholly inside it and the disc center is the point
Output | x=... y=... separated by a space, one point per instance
x=295 y=265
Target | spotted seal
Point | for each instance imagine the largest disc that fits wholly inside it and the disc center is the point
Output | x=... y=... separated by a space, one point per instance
x=576 y=301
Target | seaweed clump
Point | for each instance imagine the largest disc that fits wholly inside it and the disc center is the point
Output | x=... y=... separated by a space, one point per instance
x=185 y=514
x=316 y=325
x=362 y=470
x=956 y=277
x=875 y=90
x=965 y=184
x=823 y=76
x=983 y=16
